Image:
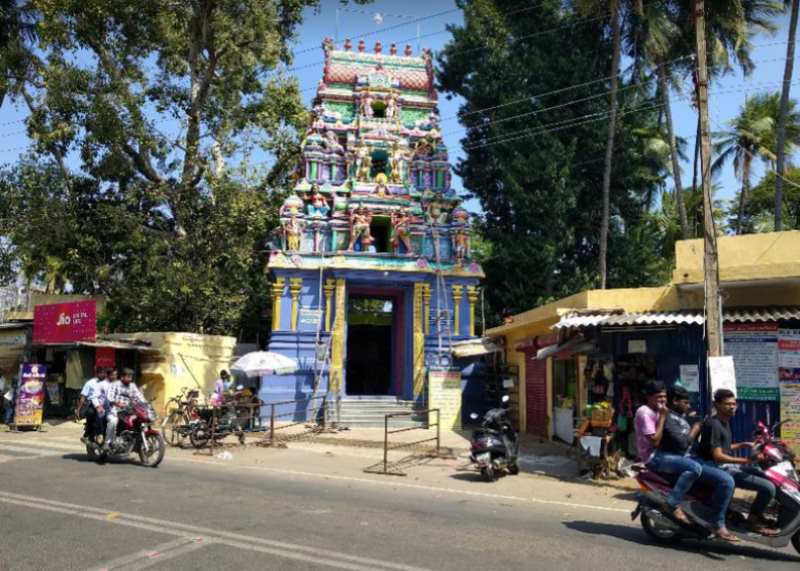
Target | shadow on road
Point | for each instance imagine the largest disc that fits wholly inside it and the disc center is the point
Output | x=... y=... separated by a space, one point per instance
x=712 y=550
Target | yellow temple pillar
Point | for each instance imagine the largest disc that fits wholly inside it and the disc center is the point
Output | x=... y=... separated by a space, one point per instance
x=337 y=340
x=330 y=285
x=419 y=339
x=295 y=284
x=426 y=308
x=458 y=290
x=472 y=297
x=277 y=293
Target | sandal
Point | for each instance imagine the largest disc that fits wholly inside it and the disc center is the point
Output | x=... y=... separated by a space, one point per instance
x=763 y=529
x=681 y=516
x=725 y=535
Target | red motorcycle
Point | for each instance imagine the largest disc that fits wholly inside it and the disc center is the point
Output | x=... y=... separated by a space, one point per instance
x=773 y=460
x=135 y=433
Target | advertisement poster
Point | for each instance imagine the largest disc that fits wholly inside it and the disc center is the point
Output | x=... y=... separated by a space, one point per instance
x=105 y=357
x=790 y=412
x=754 y=348
x=690 y=378
x=65 y=322
x=722 y=374
x=789 y=376
x=30 y=396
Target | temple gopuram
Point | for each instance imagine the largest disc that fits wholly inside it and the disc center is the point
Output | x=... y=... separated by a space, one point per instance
x=373 y=276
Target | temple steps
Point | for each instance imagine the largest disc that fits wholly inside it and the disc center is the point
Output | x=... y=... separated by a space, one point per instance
x=371 y=412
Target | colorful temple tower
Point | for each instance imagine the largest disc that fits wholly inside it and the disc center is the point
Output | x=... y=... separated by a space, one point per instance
x=373 y=276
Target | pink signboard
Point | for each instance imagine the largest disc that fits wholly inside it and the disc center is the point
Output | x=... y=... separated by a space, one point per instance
x=65 y=322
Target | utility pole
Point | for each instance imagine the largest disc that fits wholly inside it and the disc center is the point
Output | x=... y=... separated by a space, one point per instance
x=713 y=306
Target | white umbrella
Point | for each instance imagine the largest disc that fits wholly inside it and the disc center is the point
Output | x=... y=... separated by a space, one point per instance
x=260 y=363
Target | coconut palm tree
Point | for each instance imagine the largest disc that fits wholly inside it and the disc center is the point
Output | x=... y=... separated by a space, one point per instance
x=781 y=135
x=753 y=134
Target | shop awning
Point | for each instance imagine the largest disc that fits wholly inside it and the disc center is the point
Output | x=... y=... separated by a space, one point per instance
x=579 y=320
x=575 y=345
x=117 y=345
x=476 y=347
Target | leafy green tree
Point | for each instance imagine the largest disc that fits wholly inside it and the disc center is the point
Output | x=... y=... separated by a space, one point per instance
x=158 y=103
x=760 y=207
x=535 y=162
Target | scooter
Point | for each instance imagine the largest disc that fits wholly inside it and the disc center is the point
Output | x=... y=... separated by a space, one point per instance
x=495 y=446
x=774 y=461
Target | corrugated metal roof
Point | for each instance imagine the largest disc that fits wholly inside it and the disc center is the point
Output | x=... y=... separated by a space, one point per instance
x=578 y=320
x=474 y=347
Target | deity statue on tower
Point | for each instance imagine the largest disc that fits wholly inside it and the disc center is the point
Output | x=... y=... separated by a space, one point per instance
x=400 y=231
x=360 y=219
x=293 y=232
x=318 y=204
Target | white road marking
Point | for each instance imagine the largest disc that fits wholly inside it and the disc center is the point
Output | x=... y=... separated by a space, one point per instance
x=31 y=450
x=378 y=482
x=396 y=484
x=155 y=555
x=305 y=553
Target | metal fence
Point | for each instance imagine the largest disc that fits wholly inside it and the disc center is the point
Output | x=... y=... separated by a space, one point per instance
x=384 y=467
x=310 y=413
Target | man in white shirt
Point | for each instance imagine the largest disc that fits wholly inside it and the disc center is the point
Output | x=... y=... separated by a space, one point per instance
x=119 y=396
x=91 y=405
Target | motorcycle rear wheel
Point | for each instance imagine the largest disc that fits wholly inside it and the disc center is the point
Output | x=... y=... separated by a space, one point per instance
x=170 y=428
x=796 y=541
x=200 y=435
x=656 y=532
x=155 y=451
x=513 y=468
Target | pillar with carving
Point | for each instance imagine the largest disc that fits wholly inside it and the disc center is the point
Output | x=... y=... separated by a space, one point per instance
x=295 y=285
x=472 y=297
x=419 y=340
x=337 y=339
x=426 y=308
x=458 y=290
x=330 y=285
x=277 y=293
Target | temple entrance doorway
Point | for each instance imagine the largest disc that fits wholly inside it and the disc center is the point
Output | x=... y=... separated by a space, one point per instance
x=371 y=334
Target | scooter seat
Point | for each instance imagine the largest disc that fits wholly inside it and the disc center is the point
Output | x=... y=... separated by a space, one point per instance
x=656 y=478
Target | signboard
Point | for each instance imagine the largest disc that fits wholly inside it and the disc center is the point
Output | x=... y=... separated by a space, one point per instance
x=690 y=378
x=722 y=374
x=789 y=356
x=754 y=348
x=105 y=357
x=30 y=396
x=790 y=413
x=637 y=346
x=309 y=316
x=65 y=322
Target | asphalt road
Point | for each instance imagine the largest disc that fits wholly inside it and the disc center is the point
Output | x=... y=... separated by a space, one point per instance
x=60 y=512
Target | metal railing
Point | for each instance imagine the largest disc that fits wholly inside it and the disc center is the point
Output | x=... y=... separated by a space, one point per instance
x=383 y=467
x=216 y=435
x=312 y=417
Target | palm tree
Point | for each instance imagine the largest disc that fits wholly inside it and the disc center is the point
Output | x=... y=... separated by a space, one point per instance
x=753 y=134
x=781 y=135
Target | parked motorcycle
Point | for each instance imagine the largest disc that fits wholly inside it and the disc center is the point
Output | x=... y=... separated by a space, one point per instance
x=135 y=433
x=774 y=461
x=227 y=423
x=495 y=446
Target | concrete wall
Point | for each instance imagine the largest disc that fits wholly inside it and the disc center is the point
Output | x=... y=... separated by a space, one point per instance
x=178 y=360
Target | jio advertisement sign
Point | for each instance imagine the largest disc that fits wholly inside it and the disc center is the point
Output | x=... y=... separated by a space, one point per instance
x=65 y=322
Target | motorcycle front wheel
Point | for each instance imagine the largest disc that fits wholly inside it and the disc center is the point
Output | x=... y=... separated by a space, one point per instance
x=488 y=473
x=154 y=454
x=656 y=532
x=796 y=541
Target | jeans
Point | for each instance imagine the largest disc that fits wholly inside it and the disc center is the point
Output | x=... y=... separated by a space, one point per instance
x=8 y=405
x=722 y=485
x=94 y=422
x=748 y=479
x=688 y=472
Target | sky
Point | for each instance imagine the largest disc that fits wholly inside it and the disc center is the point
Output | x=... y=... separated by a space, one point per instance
x=403 y=22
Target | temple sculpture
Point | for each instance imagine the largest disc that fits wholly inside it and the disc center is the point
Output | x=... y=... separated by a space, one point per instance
x=372 y=272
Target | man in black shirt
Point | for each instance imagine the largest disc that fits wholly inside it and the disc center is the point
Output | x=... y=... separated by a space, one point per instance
x=716 y=447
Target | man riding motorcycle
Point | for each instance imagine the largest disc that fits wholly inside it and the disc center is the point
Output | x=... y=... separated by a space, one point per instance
x=715 y=448
x=119 y=397
x=91 y=405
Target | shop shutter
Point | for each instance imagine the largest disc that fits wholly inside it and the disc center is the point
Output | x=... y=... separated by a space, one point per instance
x=536 y=393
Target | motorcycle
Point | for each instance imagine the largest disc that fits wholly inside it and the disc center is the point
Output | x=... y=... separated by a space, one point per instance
x=227 y=422
x=773 y=460
x=135 y=433
x=494 y=446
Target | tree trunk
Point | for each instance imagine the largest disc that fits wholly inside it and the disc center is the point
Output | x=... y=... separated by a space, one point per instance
x=612 y=121
x=673 y=148
x=781 y=135
x=744 y=192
